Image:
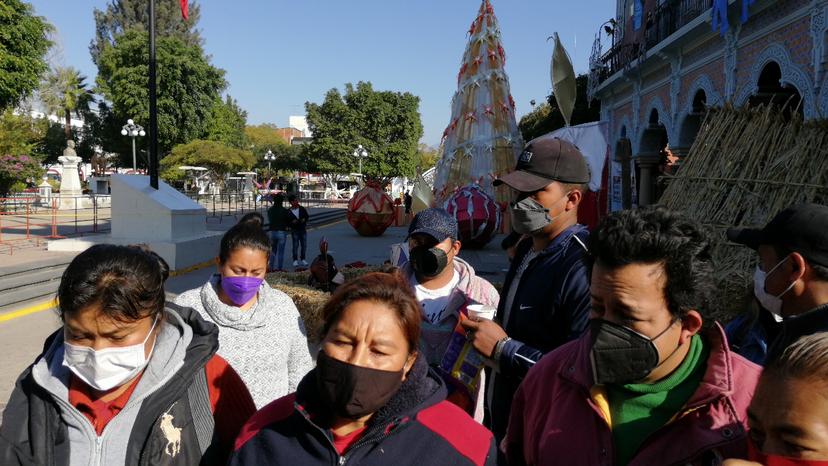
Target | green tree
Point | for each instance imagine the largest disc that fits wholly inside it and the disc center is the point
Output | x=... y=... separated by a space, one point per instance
x=51 y=145
x=547 y=117
x=426 y=158
x=265 y=137
x=19 y=134
x=227 y=123
x=219 y=159
x=188 y=85
x=23 y=44
x=386 y=123
x=64 y=92
x=124 y=15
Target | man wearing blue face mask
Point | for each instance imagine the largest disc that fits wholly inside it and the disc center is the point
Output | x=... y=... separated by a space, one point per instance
x=791 y=279
x=443 y=284
x=546 y=293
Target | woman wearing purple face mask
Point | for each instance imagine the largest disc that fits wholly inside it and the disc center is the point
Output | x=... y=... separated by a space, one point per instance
x=260 y=331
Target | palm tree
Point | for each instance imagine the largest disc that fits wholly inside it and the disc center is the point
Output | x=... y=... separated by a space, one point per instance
x=64 y=92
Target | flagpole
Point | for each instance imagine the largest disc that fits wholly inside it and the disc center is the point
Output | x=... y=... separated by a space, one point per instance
x=153 y=109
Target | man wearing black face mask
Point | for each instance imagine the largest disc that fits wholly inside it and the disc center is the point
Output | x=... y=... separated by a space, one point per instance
x=645 y=386
x=443 y=283
x=546 y=293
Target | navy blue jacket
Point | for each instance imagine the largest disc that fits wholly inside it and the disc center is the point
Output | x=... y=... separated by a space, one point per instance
x=551 y=307
x=416 y=427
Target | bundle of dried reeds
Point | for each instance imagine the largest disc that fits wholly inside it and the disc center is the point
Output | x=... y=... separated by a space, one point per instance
x=745 y=166
x=309 y=301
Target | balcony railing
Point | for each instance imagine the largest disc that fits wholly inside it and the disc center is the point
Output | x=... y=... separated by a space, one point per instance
x=659 y=24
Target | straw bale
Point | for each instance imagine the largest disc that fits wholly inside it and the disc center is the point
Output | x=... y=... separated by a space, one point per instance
x=309 y=301
x=744 y=167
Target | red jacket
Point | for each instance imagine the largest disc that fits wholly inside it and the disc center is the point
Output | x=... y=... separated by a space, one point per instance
x=559 y=417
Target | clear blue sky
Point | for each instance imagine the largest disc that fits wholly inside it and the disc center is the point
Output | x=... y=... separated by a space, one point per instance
x=279 y=54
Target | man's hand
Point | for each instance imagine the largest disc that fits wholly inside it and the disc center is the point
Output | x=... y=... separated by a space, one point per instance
x=740 y=463
x=483 y=334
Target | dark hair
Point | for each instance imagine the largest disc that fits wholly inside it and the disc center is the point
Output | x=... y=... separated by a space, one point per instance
x=127 y=282
x=652 y=235
x=248 y=233
x=820 y=272
x=278 y=199
x=292 y=198
x=390 y=289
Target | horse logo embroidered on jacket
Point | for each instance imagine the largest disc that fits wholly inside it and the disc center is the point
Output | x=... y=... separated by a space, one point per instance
x=172 y=434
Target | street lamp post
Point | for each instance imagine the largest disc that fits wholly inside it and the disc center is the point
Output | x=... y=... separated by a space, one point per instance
x=269 y=156
x=132 y=130
x=360 y=153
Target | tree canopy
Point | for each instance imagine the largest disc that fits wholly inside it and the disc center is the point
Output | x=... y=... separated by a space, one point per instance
x=23 y=44
x=547 y=117
x=387 y=124
x=227 y=123
x=121 y=16
x=188 y=85
x=219 y=159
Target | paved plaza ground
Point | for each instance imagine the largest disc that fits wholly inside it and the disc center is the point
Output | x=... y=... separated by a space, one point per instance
x=21 y=338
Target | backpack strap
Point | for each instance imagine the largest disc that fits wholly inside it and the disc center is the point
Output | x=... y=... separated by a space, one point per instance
x=203 y=421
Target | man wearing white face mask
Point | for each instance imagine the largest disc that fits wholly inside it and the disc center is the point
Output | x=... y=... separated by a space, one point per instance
x=791 y=279
x=546 y=292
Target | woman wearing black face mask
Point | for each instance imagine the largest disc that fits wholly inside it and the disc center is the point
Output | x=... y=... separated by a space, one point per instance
x=371 y=398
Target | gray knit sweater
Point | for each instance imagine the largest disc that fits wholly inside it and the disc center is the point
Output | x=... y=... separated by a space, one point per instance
x=266 y=344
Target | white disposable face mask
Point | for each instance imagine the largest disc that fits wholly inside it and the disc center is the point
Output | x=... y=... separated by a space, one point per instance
x=768 y=301
x=108 y=368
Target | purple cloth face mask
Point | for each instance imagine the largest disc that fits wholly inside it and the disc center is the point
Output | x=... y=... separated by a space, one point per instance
x=240 y=290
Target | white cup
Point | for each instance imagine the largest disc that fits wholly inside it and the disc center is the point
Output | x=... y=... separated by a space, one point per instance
x=482 y=311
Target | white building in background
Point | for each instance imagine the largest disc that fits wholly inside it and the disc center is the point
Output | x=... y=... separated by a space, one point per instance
x=75 y=122
x=300 y=123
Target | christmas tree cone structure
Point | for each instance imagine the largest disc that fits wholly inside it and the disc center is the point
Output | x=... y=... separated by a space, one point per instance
x=371 y=211
x=478 y=216
x=482 y=140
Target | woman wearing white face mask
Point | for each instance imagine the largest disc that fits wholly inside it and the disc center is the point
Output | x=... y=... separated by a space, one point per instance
x=128 y=379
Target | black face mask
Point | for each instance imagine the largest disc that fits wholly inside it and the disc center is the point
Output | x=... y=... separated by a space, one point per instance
x=428 y=262
x=353 y=391
x=620 y=355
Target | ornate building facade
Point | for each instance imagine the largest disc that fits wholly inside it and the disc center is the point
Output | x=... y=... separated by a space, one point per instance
x=671 y=59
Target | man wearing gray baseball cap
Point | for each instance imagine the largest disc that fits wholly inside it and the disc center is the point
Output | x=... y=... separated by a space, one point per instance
x=546 y=293
x=443 y=283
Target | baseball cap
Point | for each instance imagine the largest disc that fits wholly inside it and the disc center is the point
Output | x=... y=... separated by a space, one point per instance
x=434 y=222
x=545 y=160
x=802 y=228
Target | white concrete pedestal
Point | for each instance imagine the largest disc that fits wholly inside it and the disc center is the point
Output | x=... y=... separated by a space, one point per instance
x=169 y=222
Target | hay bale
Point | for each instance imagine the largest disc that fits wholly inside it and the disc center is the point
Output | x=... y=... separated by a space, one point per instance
x=309 y=301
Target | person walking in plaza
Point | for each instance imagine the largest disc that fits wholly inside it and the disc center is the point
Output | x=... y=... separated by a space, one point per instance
x=788 y=417
x=791 y=279
x=408 y=201
x=261 y=332
x=128 y=379
x=371 y=398
x=277 y=217
x=298 y=222
x=445 y=285
x=645 y=386
x=546 y=292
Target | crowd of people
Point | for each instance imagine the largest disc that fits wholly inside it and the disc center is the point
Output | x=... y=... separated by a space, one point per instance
x=599 y=349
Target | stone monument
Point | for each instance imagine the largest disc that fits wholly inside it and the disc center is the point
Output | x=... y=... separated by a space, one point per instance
x=70 y=184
